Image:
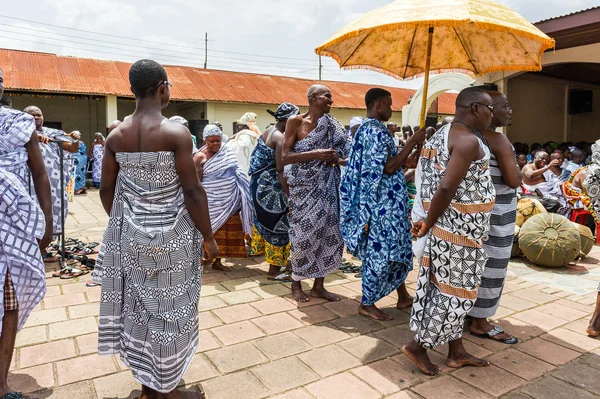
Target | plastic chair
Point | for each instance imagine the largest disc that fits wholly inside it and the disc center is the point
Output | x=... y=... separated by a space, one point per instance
x=579 y=216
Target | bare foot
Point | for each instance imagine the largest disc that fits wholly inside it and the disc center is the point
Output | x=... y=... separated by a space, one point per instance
x=404 y=299
x=404 y=304
x=419 y=357
x=593 y=329
x=374 y=313
x=148 y=393
x=323 y=293
x=467 y=360
x=217 y=265
x=298 y=293
x=176 y=394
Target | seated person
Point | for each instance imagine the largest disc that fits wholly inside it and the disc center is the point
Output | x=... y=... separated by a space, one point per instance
x=521 y=160
x=535 y=147
x=561 y=174
x=538 y=179
x=577 y=160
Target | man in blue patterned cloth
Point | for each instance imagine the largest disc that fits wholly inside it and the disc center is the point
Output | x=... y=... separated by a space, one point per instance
x=24 y=228
x=374 y=213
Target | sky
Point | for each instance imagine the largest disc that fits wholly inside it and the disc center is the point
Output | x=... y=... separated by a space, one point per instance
x=258 y=36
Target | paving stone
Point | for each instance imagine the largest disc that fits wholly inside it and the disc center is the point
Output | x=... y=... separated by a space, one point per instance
x=344 y=386
x=387 y=376
x=87 y=343
x=199 y=370
x=343 y=308
x=84 y=368
x=343 y=292
x=272 y=291
x=311 y=302
x=533 y=295
x=235 y=298
x=329 y=360
x=242 y=385
x=75 y=288
x=516 y=303
x=46 y=316
x=403 y=395
x=550 y=387
x=472 y=348
x=519 y=328
x=235 y=357
x=313 y=315
x=238 y=332
x=236 y=313
x=321 y=335
x=397 y=336
x=548 y=351
x=211 y=302
x=542 y=320
x=31 y=379
x=121 y=385
x=587 y=309
x=212 y=289
x=85 y=310
x=46 y=353
x=240 y=284
x=31 y=336
x=208 y=320
x=369 y=349
x=207 y=341
x=562 y=312
x=581 y=375
x=357 y=325
x=64 y=300
x=491 y=380
x=273 y=305
x=74 y=391
x=93 y=295
x=447 y=387
x=572 y=340
x=520 y=364
x=299 y=393
x=52 y=291
x=281 y=345
x=73 y=328
x=277 y=323
x=284 y=374
x=211 y=277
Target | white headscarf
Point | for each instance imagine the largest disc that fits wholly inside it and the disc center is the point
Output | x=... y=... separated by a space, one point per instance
x=211 y=130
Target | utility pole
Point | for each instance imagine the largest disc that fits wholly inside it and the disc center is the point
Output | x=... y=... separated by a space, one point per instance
x=320 y=67
x=205 y=49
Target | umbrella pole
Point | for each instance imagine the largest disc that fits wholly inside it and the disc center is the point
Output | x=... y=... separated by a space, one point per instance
x=426 y=83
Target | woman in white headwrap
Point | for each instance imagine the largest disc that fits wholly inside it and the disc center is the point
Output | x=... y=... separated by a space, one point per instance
x=243 y=142
x=228 y=191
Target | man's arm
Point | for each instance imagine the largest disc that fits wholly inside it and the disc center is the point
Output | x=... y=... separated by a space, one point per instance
x=531 y=173
x=503 y=151
x=110 y=171
x=278 y=140
x=288 y=156
x=463 y=153
x=395 y=163
x=41 y=184
x=199 y=161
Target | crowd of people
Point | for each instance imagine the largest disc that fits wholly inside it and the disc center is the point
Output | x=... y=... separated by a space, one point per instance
x=299 y=193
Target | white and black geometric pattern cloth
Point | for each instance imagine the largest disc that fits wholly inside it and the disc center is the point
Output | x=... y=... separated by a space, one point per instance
x=451 y=268
x=21 y=219
x=316 y=241
x=151 y=273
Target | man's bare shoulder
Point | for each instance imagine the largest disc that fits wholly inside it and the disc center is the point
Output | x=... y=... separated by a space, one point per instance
x=529 y=166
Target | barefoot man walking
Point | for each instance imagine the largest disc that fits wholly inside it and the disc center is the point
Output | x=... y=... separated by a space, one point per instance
x=314 y=145
x=374 y=216
x=455 y=197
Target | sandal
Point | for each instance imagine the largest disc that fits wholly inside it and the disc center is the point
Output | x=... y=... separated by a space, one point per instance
x=495 y=331
x=73 y=272
x=86 y=251
x=60 y=273
x=49 y=258
x=92 y=284
x=282 y=278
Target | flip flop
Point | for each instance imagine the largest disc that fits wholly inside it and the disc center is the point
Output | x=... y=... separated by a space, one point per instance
x=60 y=273
x=73 y=272
x=495 y=331
x=49 y=258
x=283 y=278
x=92 y=284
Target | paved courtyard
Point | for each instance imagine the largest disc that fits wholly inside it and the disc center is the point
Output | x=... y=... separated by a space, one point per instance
x=256 y=342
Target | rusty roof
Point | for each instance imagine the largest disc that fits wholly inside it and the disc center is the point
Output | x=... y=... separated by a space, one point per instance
x=33 y=71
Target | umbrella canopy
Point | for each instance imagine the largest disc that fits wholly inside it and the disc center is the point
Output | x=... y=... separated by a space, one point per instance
x=479 y=36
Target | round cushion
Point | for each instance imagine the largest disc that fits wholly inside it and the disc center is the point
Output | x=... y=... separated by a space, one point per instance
x=549 y=240
x=587 y=238
x=526 y=208
x=516 y=251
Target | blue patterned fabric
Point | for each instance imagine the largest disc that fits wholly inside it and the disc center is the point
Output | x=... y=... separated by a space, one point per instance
x=374 y=215
x=81 y=160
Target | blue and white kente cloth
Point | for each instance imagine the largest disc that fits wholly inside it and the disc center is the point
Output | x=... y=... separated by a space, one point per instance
x=374 y=213
x=315 y=238
x=81 y=160
x=21 y=219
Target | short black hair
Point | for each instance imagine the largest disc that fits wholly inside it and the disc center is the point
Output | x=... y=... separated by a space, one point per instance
x=375 y=94
x=535 y=146
x=145 y=77
x=469 y=96
x=5 y=102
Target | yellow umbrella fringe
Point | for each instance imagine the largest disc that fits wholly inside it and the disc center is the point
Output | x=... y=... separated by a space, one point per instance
x=546 y=41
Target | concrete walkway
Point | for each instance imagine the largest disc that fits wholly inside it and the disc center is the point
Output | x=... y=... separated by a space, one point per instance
x=255 y=342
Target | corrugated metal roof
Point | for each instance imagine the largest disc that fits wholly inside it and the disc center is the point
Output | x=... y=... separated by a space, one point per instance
x=566 y=15
x=33 y=71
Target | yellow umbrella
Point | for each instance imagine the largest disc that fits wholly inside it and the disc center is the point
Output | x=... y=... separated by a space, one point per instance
x=407 y=38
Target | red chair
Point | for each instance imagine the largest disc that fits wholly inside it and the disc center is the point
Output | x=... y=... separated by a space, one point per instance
x=579 y=216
